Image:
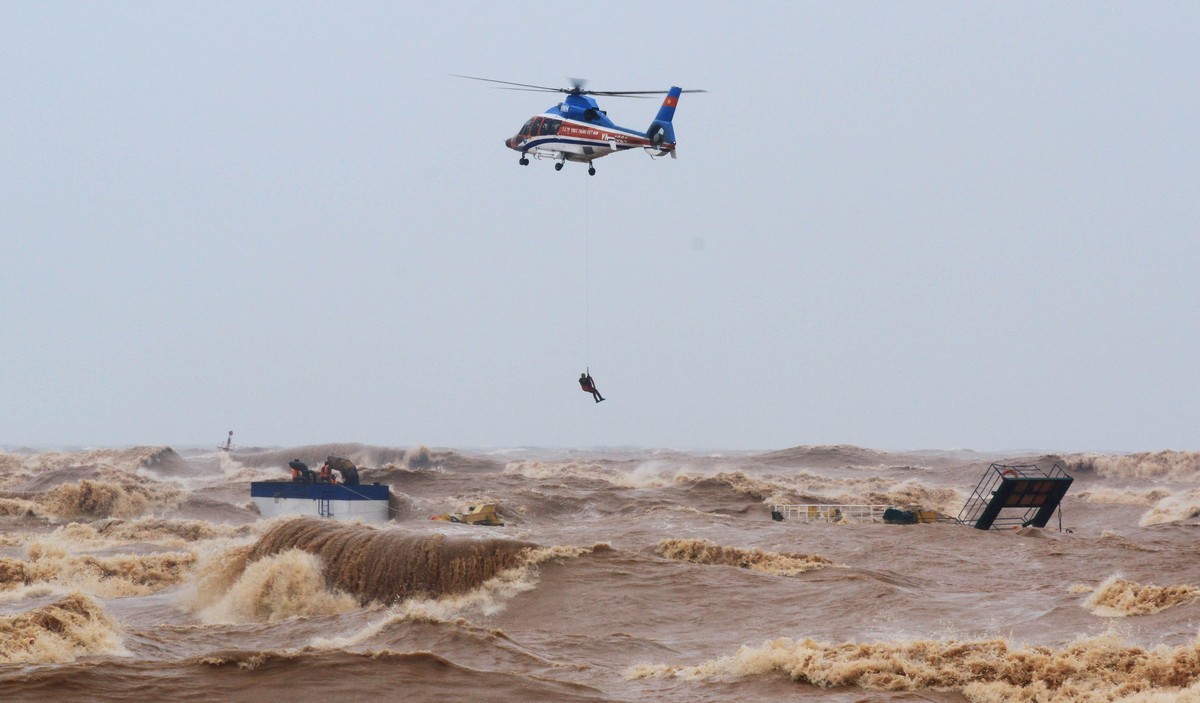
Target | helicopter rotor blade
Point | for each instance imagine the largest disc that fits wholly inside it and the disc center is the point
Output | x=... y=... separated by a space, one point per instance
x=629 y=95
x=575 y=89
x=636 y=93
x=533 y=90
x=523 y=85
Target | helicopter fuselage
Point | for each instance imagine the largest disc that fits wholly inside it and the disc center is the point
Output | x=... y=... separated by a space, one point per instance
x=547 y=136
x=578 y=130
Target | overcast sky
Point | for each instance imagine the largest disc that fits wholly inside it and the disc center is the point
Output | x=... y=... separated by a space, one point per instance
x=898 y=225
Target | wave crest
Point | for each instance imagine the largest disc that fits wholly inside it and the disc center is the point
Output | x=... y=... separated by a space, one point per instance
x=418 y=456
x=1118 y=597
x=18 y=506
x=1165 y=465
x=1114 y=496
x=284 y=585
x=107 y=576
x=128 y=459
x=389 y=565
x=702 y=551
x=651 y=474
x=1173 y=508
x=828 y=457
x=94 y=499
x=321 y=574
x=58 y=632
x=1089 y=669
x=163 y=531
x=488 y=598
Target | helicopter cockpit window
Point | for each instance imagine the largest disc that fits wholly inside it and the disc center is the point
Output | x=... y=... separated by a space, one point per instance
x=525 y=129
x=550 y=126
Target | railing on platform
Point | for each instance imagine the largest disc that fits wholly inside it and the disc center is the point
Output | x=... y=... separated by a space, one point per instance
x=829 y=512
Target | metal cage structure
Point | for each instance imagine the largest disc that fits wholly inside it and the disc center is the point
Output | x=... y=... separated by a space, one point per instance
x=1015 y=496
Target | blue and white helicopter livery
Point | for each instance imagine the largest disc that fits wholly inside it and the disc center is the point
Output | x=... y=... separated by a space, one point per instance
x=577 y=129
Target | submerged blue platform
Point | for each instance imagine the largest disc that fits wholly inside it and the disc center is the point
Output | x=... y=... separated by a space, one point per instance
x=326 y=491
x=365 y=503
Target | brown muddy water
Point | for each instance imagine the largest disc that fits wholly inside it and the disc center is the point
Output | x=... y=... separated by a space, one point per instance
x=145 y=574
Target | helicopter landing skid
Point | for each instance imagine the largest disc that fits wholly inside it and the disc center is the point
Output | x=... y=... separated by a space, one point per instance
x=559 y=158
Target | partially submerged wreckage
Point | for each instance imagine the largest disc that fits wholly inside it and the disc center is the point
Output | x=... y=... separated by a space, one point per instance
x=1016 y=496
x=483 y=514
x=1007 y=496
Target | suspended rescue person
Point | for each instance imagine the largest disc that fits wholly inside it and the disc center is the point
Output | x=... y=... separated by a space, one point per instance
x=345 y=467
x=589 y=386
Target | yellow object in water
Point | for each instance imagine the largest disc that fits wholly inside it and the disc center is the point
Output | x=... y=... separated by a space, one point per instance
x=482 y=514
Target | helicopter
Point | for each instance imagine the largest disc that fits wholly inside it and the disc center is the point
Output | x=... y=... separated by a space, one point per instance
x=576 y=129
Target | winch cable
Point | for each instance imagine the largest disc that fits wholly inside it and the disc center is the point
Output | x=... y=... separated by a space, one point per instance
x=587 y=279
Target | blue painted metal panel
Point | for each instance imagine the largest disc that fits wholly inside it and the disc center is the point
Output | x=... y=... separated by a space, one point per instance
x=318 y=491
x=667 y=112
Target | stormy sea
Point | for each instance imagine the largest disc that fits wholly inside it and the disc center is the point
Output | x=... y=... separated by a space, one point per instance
x=147 y=573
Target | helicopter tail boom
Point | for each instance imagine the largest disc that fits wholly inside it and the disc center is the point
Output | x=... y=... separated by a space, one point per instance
x=660 y=129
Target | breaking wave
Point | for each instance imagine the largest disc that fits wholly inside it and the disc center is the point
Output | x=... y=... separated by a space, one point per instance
x=18 y=506
x=95 y=499
x=798 y=487
x=805 y=487
x=1096 y=669
x=389 y=565
x=130 y=460
x=104 y=499
x=1122 y=542
x=1172 y=508
x=1114 y=496
x=828 y=457
x=305 y=567
x=702 y=551
x=488 y=598
x=124 y=497
x=760 y=489
x=361 y=454
x=106 y=576
x=146 y=529
x=284 y=585
x=1118 y=597
x=418 y=457
x=58 y=632
x=651 y=474
x=80 y=536
x=1164 y=465
x=12 y=469
x=912 y=493
x=873 y=490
